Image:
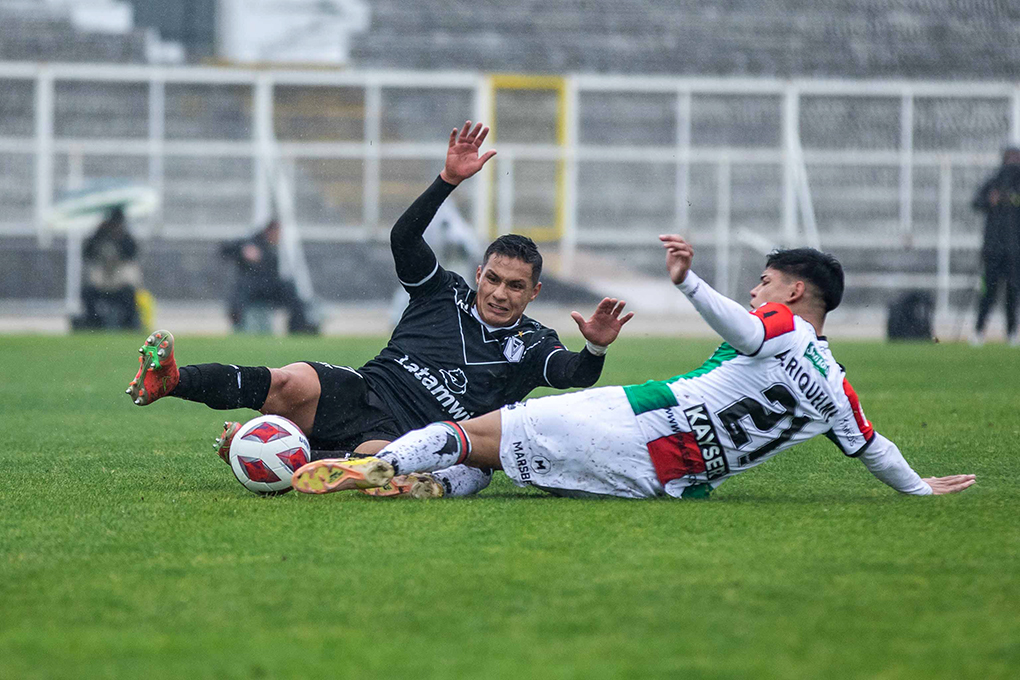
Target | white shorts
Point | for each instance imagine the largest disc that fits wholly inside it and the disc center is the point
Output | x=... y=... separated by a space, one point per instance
x=578 y=444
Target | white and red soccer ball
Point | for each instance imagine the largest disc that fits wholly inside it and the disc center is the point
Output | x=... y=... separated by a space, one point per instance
x=265 y=452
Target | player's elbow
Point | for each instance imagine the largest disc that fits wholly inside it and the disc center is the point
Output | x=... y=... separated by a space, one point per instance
x=747 y=348
x=749 y=344
x=404 y=231
x=567 y=381
x=582 y=376
x=748 y=339
x=397 y=238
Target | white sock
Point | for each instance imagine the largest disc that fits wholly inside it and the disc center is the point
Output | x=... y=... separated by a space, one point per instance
x=433 y=447
x=463 y=480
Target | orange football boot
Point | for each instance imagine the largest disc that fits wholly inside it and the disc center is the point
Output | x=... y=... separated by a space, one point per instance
x=158 y=375
x=222 y=444
x=340 y=474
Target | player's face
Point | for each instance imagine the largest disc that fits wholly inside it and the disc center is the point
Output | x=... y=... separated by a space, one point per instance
x=775 y=286
x=504 y=290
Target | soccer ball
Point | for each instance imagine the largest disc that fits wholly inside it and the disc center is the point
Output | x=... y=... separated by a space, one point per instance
x=265 y=452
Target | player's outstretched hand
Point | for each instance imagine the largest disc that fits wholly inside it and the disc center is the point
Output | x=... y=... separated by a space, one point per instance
x=679 y=256
x=605 y=324
x=462 y=159
x=951 y=484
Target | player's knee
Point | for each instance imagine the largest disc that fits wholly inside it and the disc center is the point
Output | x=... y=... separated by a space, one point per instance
x=294 y=385
x=484 y=433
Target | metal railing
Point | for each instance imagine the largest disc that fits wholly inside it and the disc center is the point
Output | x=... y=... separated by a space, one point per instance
x=921 y=139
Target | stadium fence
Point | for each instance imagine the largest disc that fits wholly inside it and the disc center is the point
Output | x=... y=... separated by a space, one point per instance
x=586 y=161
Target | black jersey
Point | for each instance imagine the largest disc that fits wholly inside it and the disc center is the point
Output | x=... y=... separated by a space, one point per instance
x=442 y=362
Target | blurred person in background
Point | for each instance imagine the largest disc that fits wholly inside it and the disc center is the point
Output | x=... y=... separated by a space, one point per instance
x=259 y=282
x=112 y=276
x=999 y=199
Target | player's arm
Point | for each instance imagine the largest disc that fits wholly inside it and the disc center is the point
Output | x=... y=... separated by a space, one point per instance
x=884 y=460
x=414 y=260
x=855 y=436
x=563 y=368
x=743 y=331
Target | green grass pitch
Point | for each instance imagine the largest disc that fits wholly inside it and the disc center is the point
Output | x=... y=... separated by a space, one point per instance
x=128 y=550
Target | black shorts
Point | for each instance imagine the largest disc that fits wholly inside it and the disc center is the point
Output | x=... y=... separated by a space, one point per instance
x=348 y=412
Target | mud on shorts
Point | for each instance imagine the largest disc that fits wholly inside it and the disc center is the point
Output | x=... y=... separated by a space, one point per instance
x=578 y=444
x=348 y=413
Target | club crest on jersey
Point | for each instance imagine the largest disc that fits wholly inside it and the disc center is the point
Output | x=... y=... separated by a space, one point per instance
x=513 y=350
x=455 y=380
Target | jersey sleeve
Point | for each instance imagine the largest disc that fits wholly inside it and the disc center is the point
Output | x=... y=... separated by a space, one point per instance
x=851 y=431
x=778 y=323
x=417 y=267
x=726 y=317
x=558 y=367
x=439 y=279
x=884 y=460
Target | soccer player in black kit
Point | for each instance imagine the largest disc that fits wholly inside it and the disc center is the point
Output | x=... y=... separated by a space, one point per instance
x=456 y=353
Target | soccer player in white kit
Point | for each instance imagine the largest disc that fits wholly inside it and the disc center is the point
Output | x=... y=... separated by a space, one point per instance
x=772 y=384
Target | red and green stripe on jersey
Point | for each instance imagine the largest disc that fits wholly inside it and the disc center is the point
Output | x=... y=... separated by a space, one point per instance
x=677 y=454
x=777 y=319
x=655 y=394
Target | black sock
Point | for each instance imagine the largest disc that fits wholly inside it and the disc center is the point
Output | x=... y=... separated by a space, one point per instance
x=322 y=454
x=223 y=386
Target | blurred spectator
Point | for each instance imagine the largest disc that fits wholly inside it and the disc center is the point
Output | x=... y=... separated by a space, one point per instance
x=259 y=285
x=112 y=276
x=999 y=199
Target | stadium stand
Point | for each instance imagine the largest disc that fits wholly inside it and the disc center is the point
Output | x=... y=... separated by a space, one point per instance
x=34 y=35
x=853 y=38
x=927 y=39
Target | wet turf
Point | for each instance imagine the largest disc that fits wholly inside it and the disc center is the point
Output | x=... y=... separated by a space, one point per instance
x=128 y=550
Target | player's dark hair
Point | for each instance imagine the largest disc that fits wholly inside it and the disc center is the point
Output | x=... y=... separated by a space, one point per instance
x=517 y=247
x=821 y=270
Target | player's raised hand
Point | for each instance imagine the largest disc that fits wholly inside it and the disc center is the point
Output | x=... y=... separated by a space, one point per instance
x=951 y=484
x=605 y=324
x=462 y=159
x=679 y=256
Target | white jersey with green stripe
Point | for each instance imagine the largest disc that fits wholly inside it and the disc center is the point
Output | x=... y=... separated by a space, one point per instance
x=736 y=411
